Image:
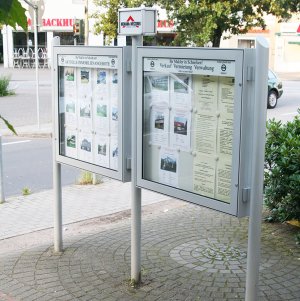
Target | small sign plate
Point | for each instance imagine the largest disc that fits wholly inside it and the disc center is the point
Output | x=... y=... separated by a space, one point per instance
x=139 y=21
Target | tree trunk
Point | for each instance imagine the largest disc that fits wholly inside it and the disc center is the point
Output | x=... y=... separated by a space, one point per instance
x=217 y=37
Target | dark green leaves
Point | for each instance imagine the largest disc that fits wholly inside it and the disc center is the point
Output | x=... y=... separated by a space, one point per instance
x=282 y=170
x=12 y=13
x=9 y=126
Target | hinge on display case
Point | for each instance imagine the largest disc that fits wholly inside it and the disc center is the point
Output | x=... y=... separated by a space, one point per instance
x=128 y=66
x=128 y=163
x=246 y=195
x=250 y=74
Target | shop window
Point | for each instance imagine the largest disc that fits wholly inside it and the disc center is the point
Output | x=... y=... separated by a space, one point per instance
x=67 y=38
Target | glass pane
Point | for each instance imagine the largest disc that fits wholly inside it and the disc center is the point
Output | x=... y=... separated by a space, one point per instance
x=88 y=110
x=188 y=110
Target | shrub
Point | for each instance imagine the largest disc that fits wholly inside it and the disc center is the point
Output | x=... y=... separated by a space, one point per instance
x=282 y=170
x=87 y=178
x=4 y=82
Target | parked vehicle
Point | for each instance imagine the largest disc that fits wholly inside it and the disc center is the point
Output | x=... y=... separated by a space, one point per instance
x=274 y=89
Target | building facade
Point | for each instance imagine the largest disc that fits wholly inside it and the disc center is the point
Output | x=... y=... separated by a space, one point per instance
x=56 y=18
x=284 y=43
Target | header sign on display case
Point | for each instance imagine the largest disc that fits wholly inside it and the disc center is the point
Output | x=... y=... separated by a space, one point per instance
x=90 y=109
x=137 y=21
x=189 y=125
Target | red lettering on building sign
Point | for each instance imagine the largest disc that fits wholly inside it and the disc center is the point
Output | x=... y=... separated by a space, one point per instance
x=258 y=30
x=165 y=24
x=298 y=30
x=54 y=22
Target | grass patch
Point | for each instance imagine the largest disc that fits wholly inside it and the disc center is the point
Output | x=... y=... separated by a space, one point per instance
x=4 y=83
x=26 y=191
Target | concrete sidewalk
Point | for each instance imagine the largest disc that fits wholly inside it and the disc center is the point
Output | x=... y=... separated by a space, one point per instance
x=24 y=214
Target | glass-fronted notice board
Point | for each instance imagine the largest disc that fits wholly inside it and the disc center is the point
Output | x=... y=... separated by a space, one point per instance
x=190 y=126
x=90 y=109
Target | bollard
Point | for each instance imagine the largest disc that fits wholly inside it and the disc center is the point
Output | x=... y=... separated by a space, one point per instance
x=2 y=199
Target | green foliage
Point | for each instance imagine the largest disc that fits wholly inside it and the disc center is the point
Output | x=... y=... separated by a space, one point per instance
x=88 y=178
x=282 y=170
x=9 y=126
x=12 y=13
x=26 y=191
x=200 y=21
x=107 y=22
x=4 y=83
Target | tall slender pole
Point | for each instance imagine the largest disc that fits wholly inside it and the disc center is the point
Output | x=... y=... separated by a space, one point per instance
x=35 y=9
x=36 y=66
x=86 y=23
x=135 y=192
x=58 y=239
x=2 y=198
x=256 y=197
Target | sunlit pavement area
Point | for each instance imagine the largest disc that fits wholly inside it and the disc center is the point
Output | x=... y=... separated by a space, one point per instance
x=188 y=253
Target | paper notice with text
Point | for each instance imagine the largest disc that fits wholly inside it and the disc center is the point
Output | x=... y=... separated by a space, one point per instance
x=204 y=175
x=213 y=136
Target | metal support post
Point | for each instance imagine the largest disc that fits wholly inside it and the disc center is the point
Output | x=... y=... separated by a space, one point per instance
x=256 y=198
x=2 y=198
x=135 y=192
x=58 y=241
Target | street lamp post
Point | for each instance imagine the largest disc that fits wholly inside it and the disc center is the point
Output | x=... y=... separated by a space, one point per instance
x=86 y=23
x=35 y=8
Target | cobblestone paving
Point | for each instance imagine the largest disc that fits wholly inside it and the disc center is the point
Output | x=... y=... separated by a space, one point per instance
x=188 y=253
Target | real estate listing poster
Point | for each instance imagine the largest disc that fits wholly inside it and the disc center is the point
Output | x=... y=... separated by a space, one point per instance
x=85 y=146
x=180 y=132
x=114 y=153
x=168 y=166
x=158 y=87
x=102 y=151
x=71 y=143
x=159 y=127
x=181 y=91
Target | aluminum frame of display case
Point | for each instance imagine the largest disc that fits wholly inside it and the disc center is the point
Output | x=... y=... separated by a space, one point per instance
x=88 y=61
x=158 y=61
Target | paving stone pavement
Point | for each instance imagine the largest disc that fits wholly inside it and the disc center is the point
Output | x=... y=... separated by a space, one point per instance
x=188 y=253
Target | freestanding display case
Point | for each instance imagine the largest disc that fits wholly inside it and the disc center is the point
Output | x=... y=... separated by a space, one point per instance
x=192 y=109
x=93 y=109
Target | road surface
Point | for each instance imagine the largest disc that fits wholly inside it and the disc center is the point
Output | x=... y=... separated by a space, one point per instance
x=27 y=162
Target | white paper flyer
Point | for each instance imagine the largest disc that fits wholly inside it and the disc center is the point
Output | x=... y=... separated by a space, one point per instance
x=180 y=129
x=85 y=146
x=114 y=152
x=159 y=125
x=168 y=167
x=102 y=151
